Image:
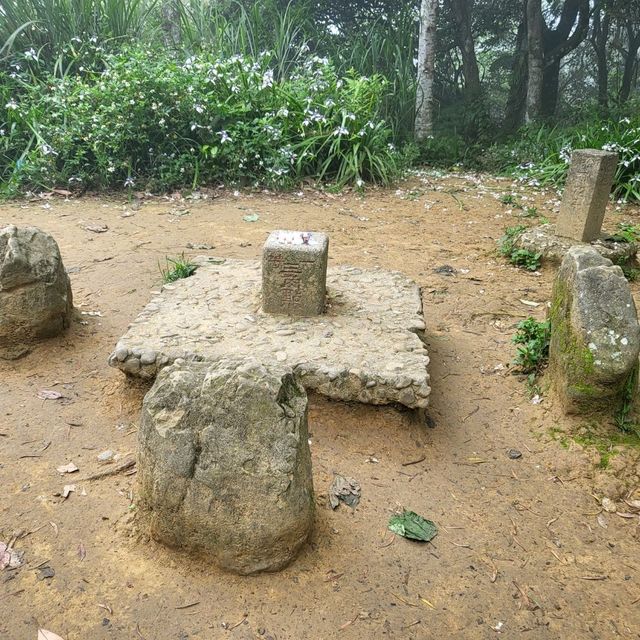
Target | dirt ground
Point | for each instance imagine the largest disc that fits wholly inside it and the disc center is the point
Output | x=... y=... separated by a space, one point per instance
x=524 y=548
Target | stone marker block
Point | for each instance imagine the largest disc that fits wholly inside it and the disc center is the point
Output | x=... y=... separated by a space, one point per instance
x=595 y=336
x=35 y=291
x=224 y=466
x=586 y=194
x=294 y=273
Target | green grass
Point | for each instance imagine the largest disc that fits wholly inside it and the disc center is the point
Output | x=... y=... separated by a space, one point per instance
x=177 y=268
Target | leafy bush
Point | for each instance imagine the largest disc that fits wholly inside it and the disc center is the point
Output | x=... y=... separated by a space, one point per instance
x=542 y=155
x=533 y=340
x=153 y=120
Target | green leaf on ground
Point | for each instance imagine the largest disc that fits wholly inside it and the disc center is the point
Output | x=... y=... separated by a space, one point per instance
x=411 y=525
x=251 y=217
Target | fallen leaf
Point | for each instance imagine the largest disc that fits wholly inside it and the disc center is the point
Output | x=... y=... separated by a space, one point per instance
x=602 y=520
x=411 y=525
x=97 y=228
x=609 y=505
x=67 y=468
x=529 y=303
x=43 y=634
x=82 y=552
x=47 y=394
x=252 y=217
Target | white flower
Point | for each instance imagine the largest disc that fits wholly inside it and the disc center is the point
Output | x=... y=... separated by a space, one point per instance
x=360 y=183
x=161 y=122
x=12 y=104
x=129 y=182
x=31 y=54
x=341 y=131
x=47 y=150
x=199 y=108
x=224 y=136
x=267 y=79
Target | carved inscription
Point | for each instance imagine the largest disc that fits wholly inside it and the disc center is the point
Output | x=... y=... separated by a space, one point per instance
x=289 y=276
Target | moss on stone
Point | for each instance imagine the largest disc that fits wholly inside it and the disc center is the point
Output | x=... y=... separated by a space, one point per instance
x=575 y=359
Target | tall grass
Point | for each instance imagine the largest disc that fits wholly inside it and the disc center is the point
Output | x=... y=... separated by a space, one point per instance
x=236 y=30
x=388 y=48
x=46 y=27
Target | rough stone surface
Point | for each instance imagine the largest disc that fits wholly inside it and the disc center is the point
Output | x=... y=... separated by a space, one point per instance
x=224 y=465
x=366 y=347
x=586 y=194
x=294 y=273
x=595 y=336
x=35 y=291
x=553 y=248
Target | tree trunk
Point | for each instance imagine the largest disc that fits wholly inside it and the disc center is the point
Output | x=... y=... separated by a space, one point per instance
x=550 y=88
x=599 y=39
x=170 y=23
x=464 y=38
x=570 y=31
x=516 y=102
x=535 y=60
x=630 y=64
x=426 y=69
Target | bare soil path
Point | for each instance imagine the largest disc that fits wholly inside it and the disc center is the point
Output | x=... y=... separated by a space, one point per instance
x=524 y=549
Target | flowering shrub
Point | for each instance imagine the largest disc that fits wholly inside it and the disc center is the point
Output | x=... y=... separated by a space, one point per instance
x=155 y=121
x=542 y=156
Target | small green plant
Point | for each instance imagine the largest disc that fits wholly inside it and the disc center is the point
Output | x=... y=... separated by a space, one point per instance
x=177 y=268
x=509 y=198
x=630 y=273
x=507 y=242
x=530 y=212
x=526 y=259
x=532 y=338
x=519 y=257
x=628 y=232
x=623 y=419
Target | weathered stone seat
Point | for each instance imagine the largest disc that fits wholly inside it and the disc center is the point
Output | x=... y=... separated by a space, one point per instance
x=224 y=464
x=35 y=291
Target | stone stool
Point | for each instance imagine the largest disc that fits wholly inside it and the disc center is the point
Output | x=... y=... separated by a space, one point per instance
x=224 y=464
